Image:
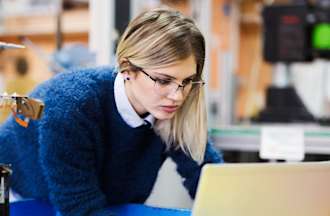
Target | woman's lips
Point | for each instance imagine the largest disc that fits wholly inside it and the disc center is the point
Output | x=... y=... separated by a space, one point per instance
x=169 y=109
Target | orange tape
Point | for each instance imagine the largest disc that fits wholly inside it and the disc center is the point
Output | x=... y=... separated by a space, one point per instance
x=19 y=121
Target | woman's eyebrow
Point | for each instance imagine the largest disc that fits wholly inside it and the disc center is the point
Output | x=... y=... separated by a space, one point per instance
x=171 y=77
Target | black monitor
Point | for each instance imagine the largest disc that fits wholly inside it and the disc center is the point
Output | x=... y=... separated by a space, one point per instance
x=295 y=33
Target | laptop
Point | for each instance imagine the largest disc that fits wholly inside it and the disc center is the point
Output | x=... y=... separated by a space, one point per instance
x=264 y=189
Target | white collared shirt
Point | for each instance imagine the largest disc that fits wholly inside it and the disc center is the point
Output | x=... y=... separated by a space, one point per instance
x=125 y=108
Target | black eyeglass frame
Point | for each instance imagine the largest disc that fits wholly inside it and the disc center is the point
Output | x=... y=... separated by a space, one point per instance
x=156 y=80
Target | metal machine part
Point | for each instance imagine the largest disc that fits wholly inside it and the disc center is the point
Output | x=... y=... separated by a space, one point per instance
x=4 y=45
x=5 y=172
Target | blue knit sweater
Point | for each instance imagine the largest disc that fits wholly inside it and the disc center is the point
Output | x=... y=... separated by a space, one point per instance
x=81 y=155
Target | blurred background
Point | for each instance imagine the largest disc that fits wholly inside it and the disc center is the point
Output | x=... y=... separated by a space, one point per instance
x=267 y=64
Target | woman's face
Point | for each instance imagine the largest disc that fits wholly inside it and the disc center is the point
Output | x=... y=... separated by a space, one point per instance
x=160 y=99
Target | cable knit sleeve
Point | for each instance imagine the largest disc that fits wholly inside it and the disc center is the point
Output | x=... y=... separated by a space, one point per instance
x=190 y=170
x=67 y=134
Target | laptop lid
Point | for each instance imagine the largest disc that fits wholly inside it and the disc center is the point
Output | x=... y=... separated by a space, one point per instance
x=264 y=189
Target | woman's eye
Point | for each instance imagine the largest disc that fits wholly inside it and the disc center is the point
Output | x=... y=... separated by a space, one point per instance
x=163 y=82
x=187 y=81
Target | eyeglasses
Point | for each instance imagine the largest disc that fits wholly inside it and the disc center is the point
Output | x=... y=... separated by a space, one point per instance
x=166 y=87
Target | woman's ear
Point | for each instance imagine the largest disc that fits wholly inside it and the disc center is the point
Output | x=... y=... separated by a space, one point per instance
x=124 y=63
x=126 y=74
x=125 y=66
x=126 y=69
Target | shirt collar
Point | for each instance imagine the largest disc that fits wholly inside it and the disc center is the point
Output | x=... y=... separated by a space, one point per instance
x=125 y=108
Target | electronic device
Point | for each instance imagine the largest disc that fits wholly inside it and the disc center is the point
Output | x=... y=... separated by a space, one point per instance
x=259 y=189
x=296 y=33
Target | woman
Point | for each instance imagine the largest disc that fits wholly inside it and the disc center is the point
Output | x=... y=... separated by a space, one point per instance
x=104 y=135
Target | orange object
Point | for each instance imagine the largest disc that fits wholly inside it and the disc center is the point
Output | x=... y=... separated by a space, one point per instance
x=28 y=107
x=19 y=121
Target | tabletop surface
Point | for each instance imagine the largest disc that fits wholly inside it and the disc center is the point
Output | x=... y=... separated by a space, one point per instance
x=41 y=208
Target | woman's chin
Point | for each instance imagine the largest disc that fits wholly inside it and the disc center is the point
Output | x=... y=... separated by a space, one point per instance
x=162 y=115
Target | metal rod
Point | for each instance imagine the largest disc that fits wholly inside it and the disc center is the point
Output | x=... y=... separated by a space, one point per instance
x=4 y=45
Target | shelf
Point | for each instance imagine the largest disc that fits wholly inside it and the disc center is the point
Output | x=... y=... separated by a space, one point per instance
x=73 y=22
x=251 y=19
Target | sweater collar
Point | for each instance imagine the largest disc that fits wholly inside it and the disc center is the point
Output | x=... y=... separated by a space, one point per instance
x=125 y=108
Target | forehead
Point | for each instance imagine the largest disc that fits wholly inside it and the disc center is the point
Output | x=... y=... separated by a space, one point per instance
x=180 y=69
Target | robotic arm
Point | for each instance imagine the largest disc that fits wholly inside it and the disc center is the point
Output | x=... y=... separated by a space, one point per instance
x=30 y=108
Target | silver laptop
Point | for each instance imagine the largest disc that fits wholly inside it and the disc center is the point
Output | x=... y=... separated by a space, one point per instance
x=264 y=189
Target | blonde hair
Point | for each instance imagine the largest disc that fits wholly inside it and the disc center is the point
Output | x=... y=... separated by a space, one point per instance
x=158 y=38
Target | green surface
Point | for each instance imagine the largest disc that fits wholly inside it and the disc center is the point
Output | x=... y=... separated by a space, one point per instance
x=256 y=131
x=321 y=36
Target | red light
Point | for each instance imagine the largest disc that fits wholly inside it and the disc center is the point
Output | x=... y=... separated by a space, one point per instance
x=290 y=19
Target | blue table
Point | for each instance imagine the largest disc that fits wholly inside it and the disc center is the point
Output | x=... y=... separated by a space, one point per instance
x=143 y=210
x=41 y=208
